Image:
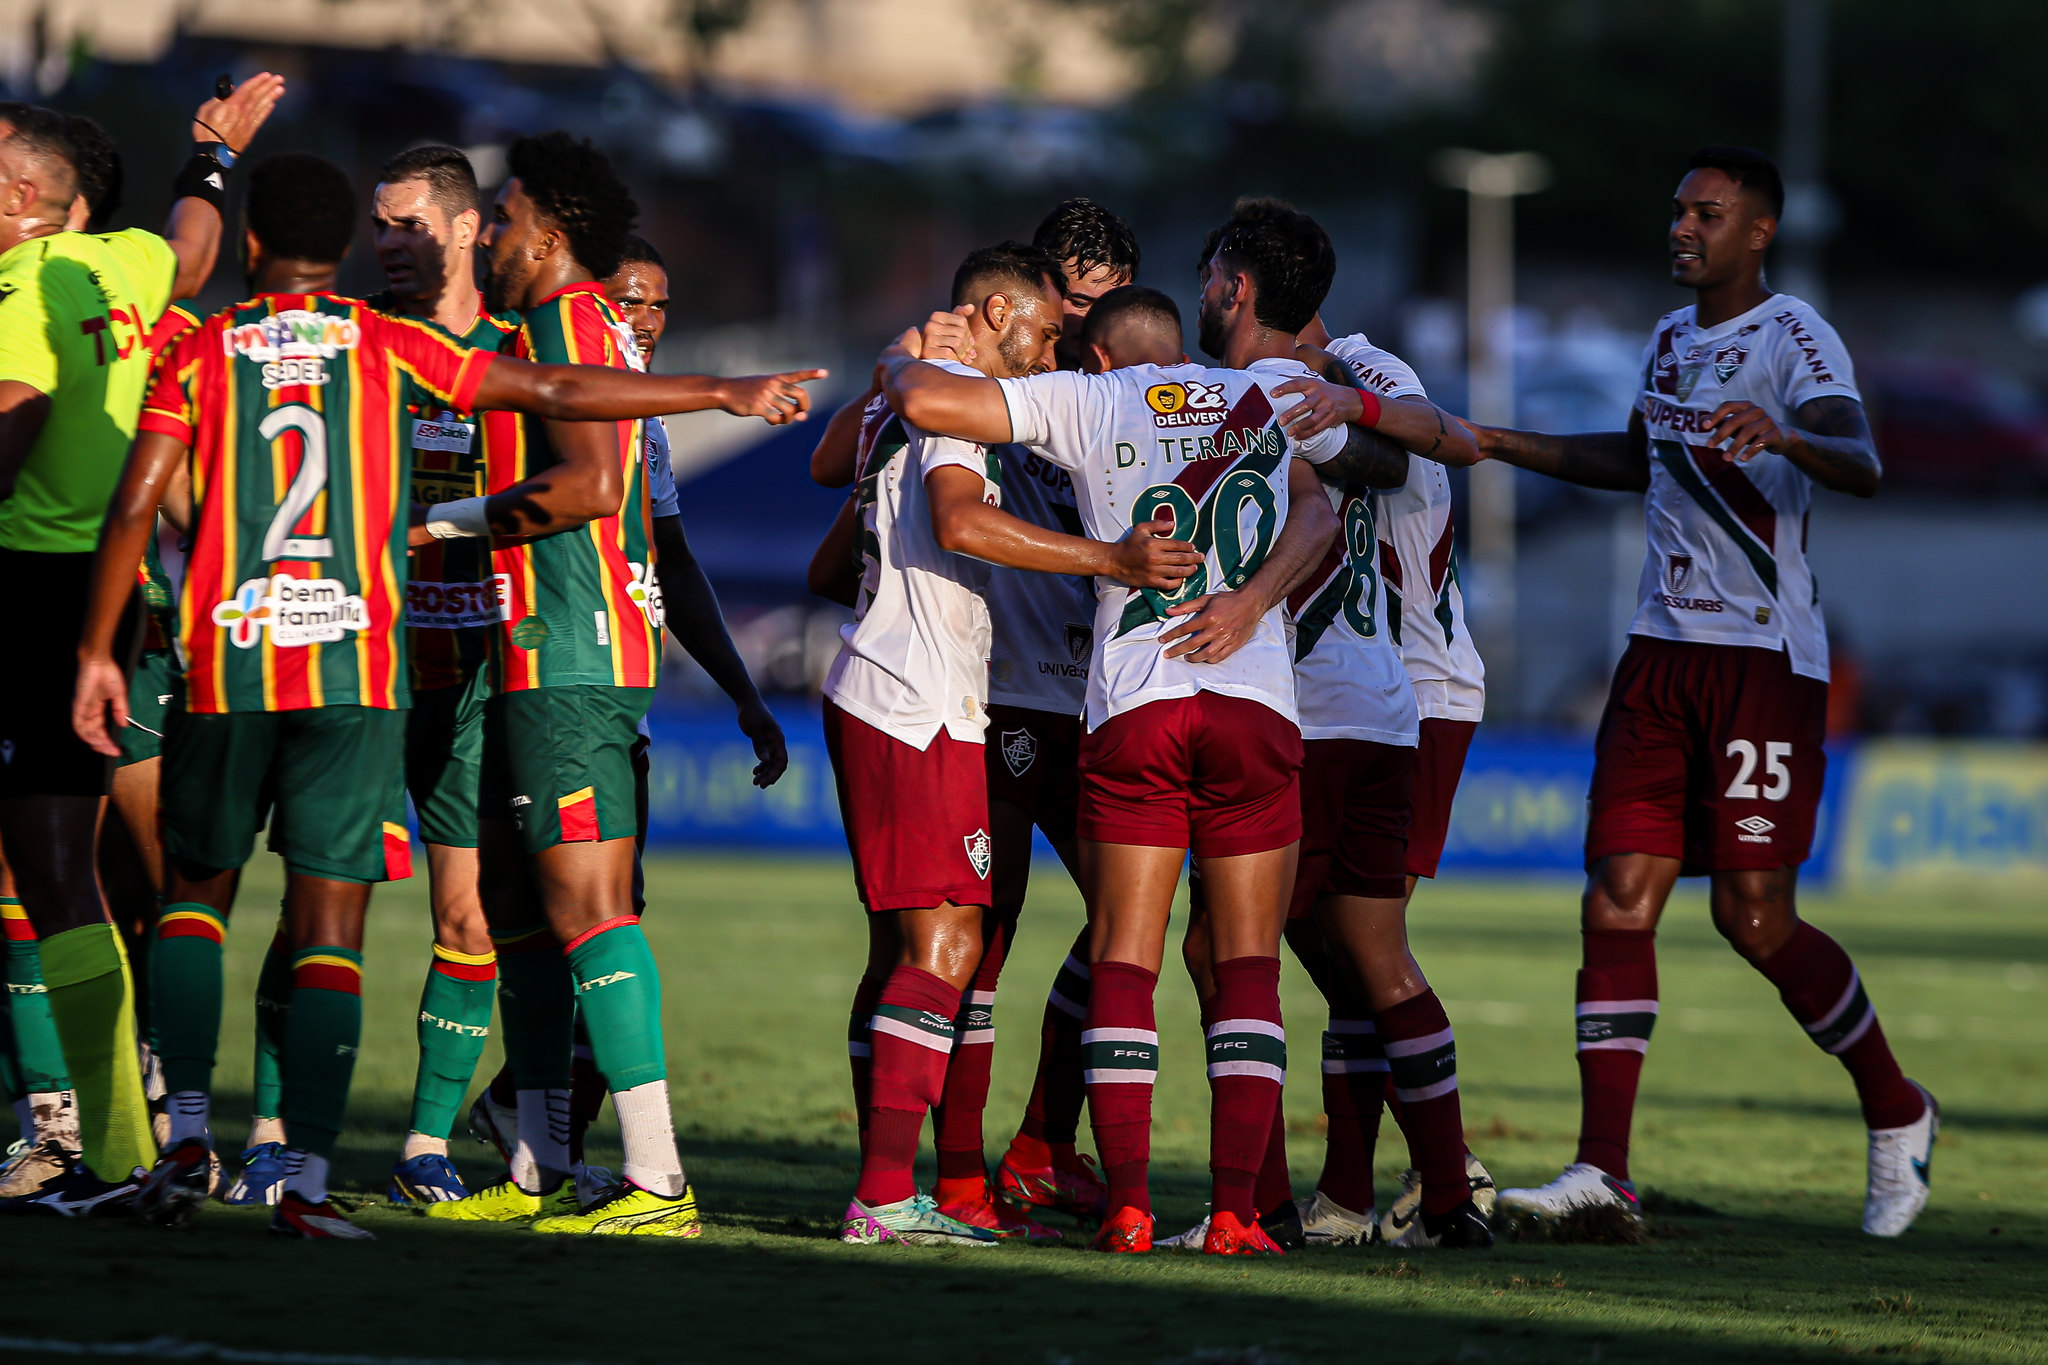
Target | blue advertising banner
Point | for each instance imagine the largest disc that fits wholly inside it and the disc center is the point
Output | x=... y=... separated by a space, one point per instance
x=1521 y=807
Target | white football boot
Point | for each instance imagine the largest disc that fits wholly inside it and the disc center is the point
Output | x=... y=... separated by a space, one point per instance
x=1191 y=1240
x=1326 y=1223
x=1899 y=1158
x=1401 y=1221
x=1580 y=1187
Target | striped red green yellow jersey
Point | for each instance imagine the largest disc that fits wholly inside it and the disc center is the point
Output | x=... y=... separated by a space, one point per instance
x=576 y=603
x=290 y=405
x=451 y=603
x=160 y=619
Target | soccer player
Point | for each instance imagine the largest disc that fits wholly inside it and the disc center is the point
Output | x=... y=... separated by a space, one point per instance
x=1709 y=758
x=289 y=624
x=427 y=220
x=905 y=721
x=574 y=665
x=73 y=364
x=1196 y=751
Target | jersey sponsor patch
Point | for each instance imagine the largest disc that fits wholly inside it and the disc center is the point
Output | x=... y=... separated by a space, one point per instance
x=293 y=345
x=296 y=612
x=443 y=433
x=452 y=606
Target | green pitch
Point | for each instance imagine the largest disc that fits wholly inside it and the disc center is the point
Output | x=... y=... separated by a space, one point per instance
x=1749 y=1135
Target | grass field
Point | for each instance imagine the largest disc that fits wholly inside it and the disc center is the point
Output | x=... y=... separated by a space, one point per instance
x=1743 y=1125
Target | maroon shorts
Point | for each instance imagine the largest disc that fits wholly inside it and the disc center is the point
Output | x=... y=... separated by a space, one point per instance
x=1034 y=763
x=916 y=822
x=1439 y=763
x=1354 y=821
x=1711 y=754
x=1217 y=775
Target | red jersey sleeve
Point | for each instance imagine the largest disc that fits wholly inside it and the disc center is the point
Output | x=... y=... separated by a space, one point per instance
x=450 y=371
x=167 y=408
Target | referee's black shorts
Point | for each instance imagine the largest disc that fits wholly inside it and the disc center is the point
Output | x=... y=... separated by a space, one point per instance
x=42 y=610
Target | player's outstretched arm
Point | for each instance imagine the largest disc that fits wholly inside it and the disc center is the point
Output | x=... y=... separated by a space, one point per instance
x=967 y=406
x=1408 y=424
x=691 y=609
x=1220 y=624
x=964 y=524
x=131 y=518
x=1832 y=443
x=194 y=226
x=834 y=574
x=600 y=393
x=1617 y=460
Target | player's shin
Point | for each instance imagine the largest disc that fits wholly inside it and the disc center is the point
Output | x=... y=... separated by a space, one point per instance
x=1422 y=1059
x=912 y=1037
x=1617 y=1008
x=1052 y=1116
x=859 y=1049
x=1247 y=1066
x=85 y=971
x=273 y=1018
x=956 y=1120
x=618 y=988
x=454 y=1022
x=1120 y=1063
x=185 y=972
x=35 y=1055
x=320 y=1046
x=1821 y=987
x=1354 y=1090
x=537 y=1010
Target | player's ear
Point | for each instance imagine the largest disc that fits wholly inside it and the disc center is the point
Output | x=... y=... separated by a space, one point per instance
x=995 y=310
x=467 y=225
x=1098 y=359
x=1761 y=231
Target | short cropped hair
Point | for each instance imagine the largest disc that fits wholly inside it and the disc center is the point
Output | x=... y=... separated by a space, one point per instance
x=1082 y=231
x=46 y=135
x=639 y=251
x=301 y=207
x=1286 y=254
x=577 y=189
x=99 y=169
x=1007 y=263
x=445 y=171
x=1746 y=166
x=1131 y=304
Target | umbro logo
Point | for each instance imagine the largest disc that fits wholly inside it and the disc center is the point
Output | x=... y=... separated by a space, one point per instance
x=1755 y=830
x=608 y=979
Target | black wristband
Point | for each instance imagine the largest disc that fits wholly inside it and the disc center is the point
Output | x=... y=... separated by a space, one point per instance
x=203 y=178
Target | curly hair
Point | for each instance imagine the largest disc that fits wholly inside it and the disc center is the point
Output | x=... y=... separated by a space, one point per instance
x=1082 y=231
x=99 y=169
x=1287 y=255
x=300 y=207
x=576 y=188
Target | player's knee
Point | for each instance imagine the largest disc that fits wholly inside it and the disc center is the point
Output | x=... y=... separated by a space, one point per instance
x=1755 y=928
x=1614 y=904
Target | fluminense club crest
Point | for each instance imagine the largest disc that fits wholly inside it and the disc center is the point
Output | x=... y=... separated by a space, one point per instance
x=1080 y=642
x=1020 y=750
x=980 y=851
x=1677 y=573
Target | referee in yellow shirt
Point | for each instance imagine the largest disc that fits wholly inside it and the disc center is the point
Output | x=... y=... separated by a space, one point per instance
x=74 y=310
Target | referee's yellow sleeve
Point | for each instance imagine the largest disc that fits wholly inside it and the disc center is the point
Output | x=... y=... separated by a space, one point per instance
x=26 y=353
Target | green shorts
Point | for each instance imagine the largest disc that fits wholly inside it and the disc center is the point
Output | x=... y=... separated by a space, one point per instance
x=559 y=762
x=157 y=683
x=444 y=757
x=329 y=780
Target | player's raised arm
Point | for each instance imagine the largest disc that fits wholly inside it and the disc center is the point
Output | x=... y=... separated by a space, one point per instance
x=964 y=524
x=222 y=129
x=1594 y=459
x=1219 y=624
x=1832 y=443
x=966 y=406
x=131 y=518
x=598 y=393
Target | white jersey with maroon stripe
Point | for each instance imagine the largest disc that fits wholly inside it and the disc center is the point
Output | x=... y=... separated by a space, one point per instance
x=1425 y=605
x=1349 y=681
x=914 y=659
x=1043 y=623
x=1727 y=542
x=1205 y=446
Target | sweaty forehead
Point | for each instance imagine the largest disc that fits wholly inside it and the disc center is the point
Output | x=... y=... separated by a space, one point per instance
x=1096 y=281
x=403 y=199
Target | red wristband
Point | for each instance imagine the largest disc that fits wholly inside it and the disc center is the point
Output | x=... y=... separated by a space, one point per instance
x=1370 y=416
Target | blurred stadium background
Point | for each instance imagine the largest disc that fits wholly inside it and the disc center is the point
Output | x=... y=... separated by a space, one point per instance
x=813 y=169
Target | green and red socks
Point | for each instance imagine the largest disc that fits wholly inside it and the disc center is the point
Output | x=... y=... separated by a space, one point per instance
x=32 y=1069
x=1617 y=1009
x=185 y=983
x=1422 y=1058
x=956 y=1120
x=1247 y=1050
x=1354 y=1091
x=911 y=1037
x=454 y=1023
x=320 y=1047
x=618 y=988
x=1119 y=1065
x=1821 y=987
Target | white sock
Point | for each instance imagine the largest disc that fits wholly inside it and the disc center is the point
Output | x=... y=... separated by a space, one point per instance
x=305 y=1175
x=188 y=1112
x=262 y=1130
x=540 y=1156
x=419 y=1144
x=648 y=1131
x=54 y=1114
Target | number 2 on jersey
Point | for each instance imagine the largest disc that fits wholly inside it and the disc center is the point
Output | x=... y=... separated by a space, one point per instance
x=1779 y=785
x=306 y=487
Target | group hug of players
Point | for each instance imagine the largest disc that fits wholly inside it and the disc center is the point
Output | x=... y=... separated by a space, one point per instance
x=296 y=562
